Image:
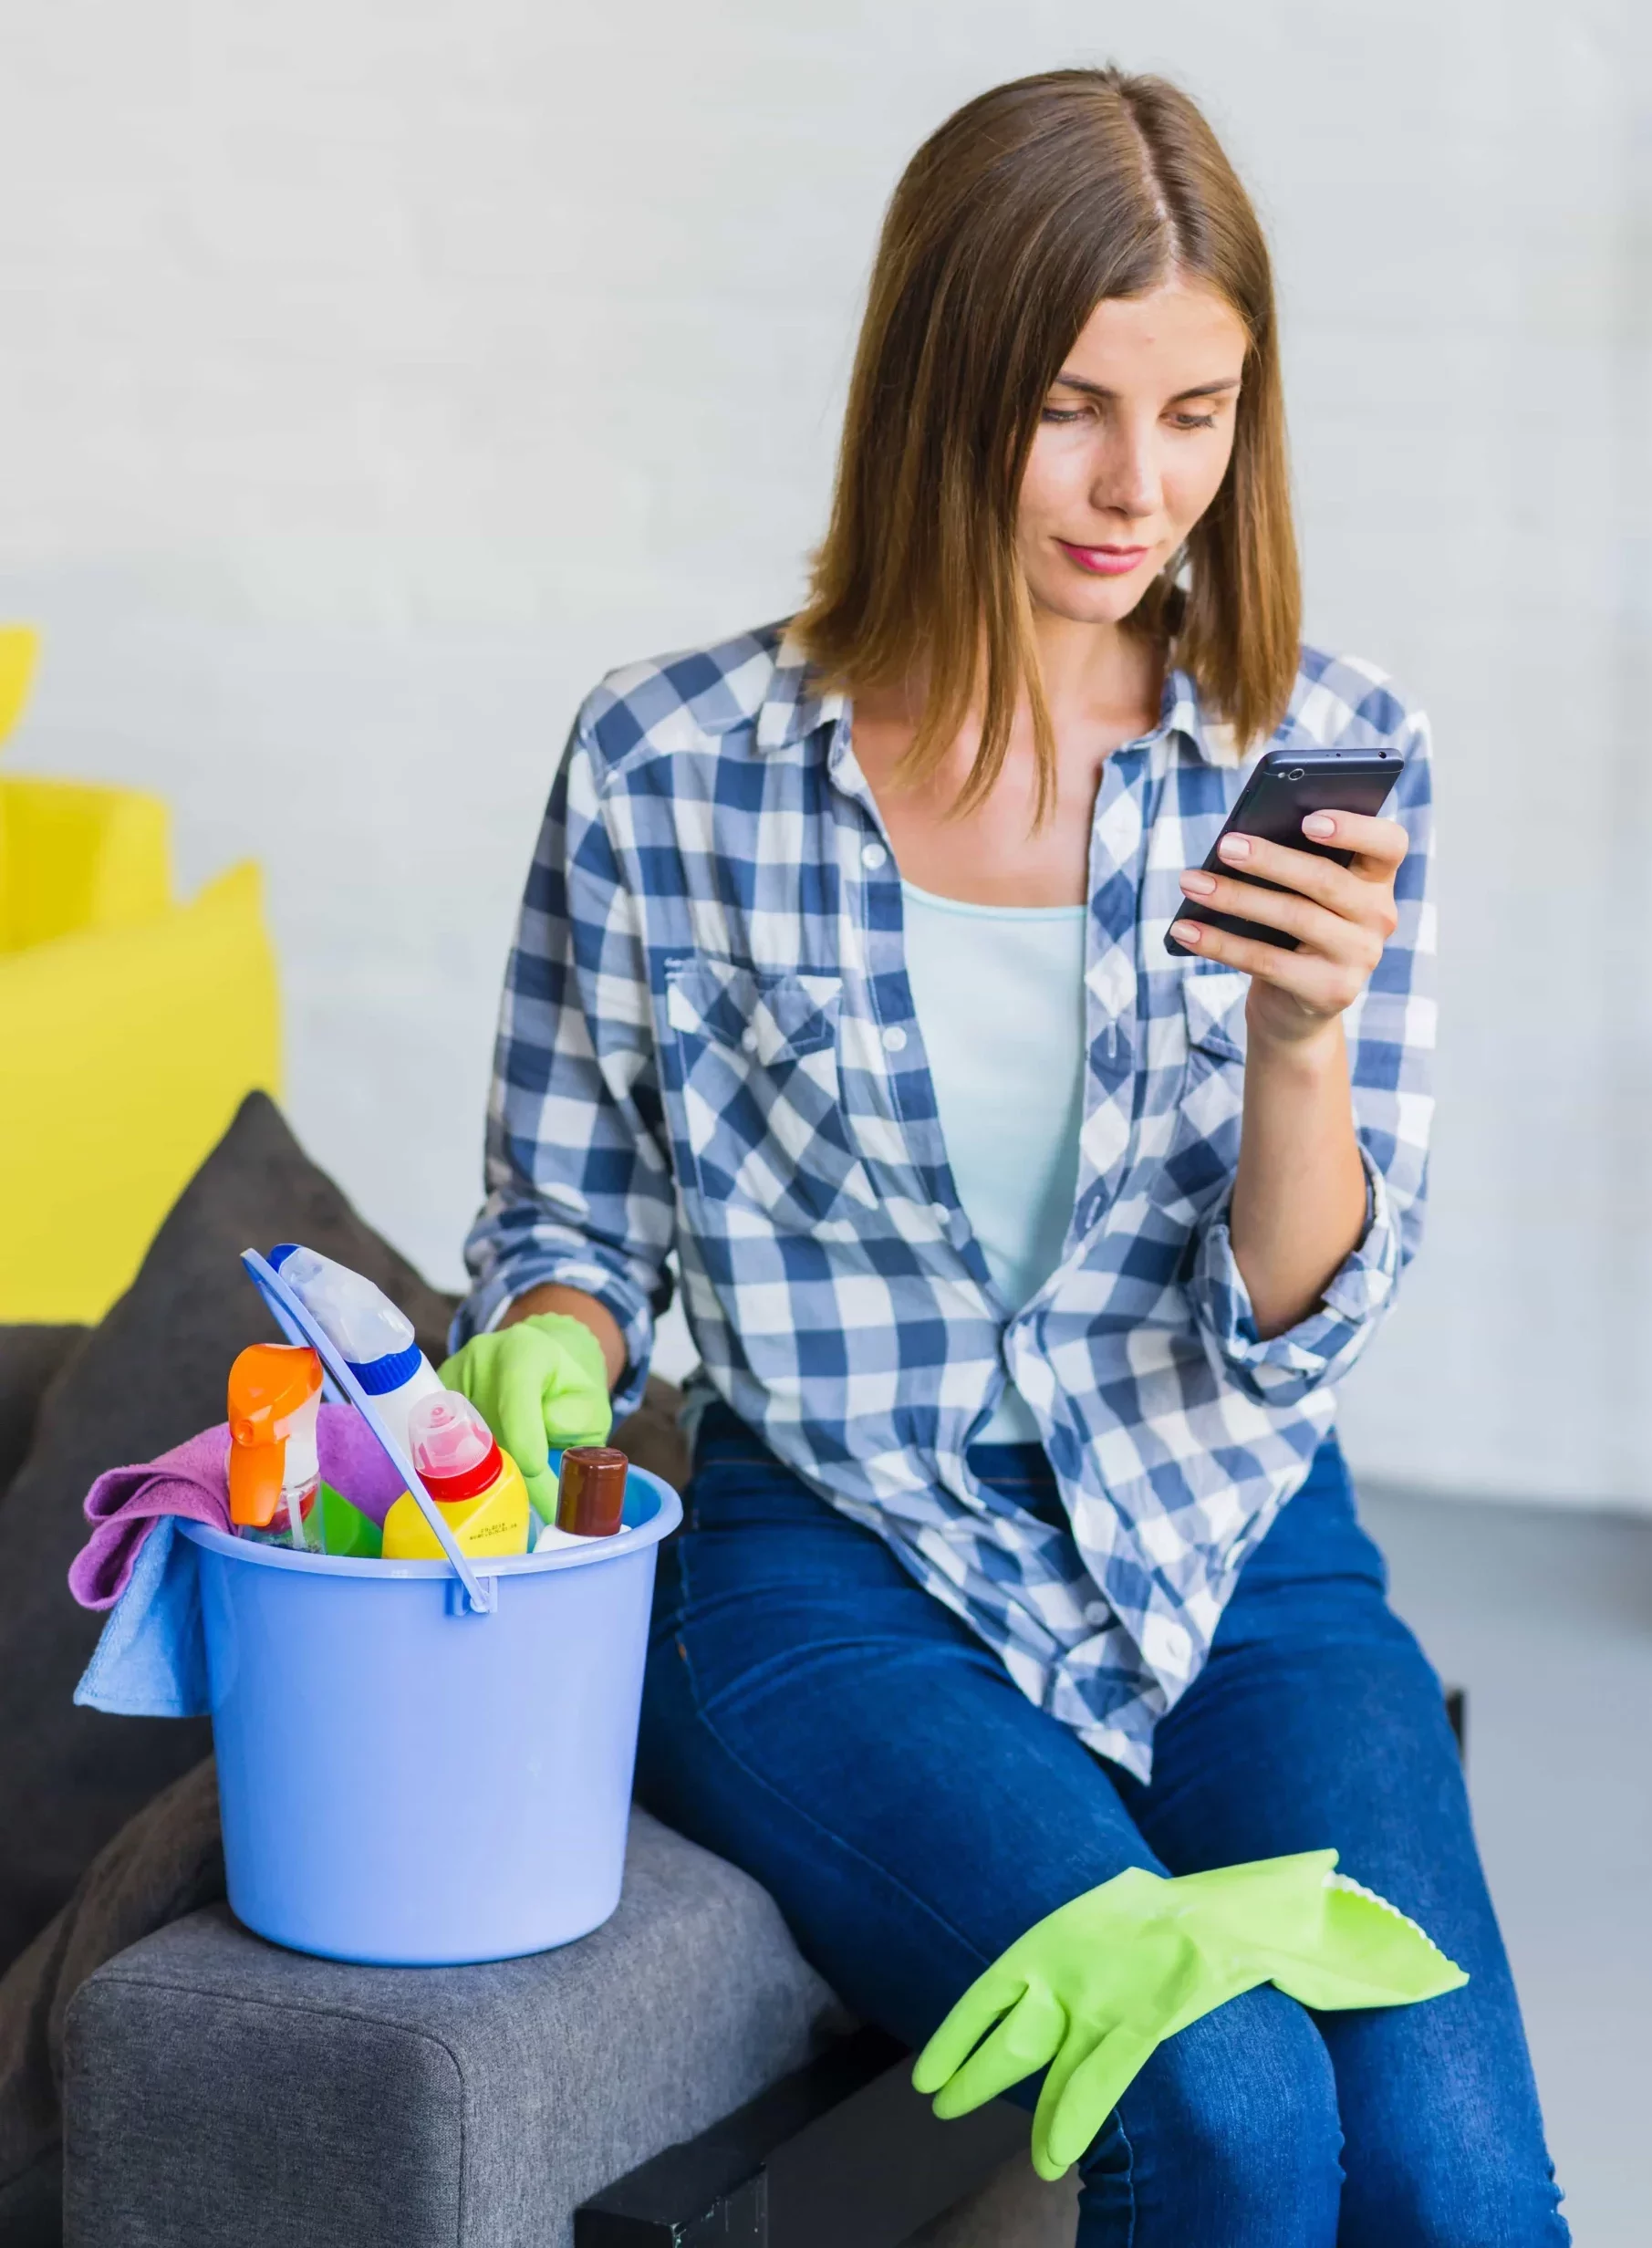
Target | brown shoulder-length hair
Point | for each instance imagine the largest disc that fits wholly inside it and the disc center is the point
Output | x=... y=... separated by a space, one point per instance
x=1027 y=209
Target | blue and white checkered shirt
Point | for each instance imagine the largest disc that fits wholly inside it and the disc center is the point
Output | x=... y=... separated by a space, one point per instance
x=708 y=1044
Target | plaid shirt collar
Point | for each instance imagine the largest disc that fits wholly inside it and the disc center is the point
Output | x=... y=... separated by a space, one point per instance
x=796 y=705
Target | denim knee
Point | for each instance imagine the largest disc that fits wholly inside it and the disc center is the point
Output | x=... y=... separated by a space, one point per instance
x=1442 y=2188
x=1445 y=2137
x=1231 y=2132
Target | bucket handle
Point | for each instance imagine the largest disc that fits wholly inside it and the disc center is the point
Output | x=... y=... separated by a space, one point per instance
x=299 y=1326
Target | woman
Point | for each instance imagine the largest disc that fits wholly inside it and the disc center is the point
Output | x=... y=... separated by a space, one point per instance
x=1024 y=1256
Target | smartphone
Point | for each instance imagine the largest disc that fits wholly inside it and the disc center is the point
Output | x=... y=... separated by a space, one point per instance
x=1286 y=785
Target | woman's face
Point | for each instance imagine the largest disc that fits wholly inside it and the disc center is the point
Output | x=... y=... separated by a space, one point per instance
x=1135 y=440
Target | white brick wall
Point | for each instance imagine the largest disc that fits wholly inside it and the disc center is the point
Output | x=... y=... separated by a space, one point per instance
x=374 y=374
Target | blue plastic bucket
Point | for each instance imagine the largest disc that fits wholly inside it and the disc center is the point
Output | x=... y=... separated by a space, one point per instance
x=406 y=1781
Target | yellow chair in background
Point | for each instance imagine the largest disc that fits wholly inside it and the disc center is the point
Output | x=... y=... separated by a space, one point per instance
x=130 y=1027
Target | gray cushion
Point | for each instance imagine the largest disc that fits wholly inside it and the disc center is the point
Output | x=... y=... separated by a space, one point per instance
x=218 y=2089
x=29 y=1358
x=166 y=1862
x=150 y=1375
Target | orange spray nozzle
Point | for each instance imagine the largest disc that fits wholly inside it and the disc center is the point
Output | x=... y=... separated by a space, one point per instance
x=272 y=1387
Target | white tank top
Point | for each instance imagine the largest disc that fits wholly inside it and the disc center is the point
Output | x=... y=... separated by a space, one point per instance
x=1000 y=999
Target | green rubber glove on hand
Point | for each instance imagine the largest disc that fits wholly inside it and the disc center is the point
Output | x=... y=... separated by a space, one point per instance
x=1090 y=1991
x=539 y=1383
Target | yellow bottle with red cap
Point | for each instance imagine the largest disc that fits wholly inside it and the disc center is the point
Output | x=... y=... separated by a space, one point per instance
x=275 y=1398
x=479 y=1489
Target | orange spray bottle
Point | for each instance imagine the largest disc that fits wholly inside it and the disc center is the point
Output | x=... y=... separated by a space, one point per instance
x=275 y=1398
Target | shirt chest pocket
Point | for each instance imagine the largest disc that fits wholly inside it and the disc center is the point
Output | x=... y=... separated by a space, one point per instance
x=752 y=1089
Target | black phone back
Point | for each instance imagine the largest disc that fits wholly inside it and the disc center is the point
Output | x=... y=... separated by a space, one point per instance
x=1286 y=785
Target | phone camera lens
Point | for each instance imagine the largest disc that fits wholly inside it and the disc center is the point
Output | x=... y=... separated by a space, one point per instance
x=1296 y=774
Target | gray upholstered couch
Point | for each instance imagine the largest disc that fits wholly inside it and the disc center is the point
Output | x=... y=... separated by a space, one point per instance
x=218 y=2090
x=212 y=2091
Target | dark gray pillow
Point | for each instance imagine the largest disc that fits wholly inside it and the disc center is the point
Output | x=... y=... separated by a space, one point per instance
x=149 y=1376
x=29 y=1357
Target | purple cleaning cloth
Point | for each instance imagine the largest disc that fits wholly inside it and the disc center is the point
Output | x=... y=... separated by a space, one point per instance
x=193 y=1479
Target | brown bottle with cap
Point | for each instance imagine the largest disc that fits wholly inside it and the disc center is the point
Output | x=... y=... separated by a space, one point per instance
x=590 y=1496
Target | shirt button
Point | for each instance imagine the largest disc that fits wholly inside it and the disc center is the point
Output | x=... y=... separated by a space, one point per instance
x=873 y=856
x=894 y=1039
x=748 y=1042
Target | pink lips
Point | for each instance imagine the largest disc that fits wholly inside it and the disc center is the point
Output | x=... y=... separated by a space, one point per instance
x=1104 y=561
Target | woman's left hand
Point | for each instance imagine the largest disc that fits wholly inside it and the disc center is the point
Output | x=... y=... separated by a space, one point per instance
x=1341 y=917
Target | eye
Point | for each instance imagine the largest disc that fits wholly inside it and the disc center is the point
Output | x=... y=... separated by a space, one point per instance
x=1064 y=413
x=1193 y=421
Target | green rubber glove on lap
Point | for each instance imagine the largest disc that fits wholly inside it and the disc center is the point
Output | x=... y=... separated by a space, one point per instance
x=540 y=1383
x=1091 y=1989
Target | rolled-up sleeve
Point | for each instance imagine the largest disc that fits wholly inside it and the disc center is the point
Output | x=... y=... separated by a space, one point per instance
x=1391 y=1039
x=578 y=1178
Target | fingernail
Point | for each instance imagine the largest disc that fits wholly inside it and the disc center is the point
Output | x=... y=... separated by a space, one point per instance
x=1185 y=932
x=1319 y=825
x=1236 y=846
x=1198 y=885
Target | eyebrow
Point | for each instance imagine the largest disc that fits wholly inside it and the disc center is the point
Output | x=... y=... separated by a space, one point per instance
x=1096 y=390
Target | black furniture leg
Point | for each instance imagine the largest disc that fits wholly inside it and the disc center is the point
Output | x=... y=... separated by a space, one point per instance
x=842 y=2152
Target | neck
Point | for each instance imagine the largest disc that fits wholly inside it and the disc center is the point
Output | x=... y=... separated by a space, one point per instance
x=1091 y=669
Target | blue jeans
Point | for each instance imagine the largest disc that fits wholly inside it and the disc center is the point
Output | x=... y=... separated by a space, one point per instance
x=813 y=1714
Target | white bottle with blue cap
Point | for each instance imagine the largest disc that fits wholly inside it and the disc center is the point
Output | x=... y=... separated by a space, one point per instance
x=375 y=1340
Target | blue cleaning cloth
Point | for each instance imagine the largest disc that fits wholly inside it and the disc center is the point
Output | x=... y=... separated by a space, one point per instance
x=151 y=1660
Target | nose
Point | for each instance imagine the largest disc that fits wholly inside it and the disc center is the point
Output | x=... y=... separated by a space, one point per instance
x=1126 y=481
